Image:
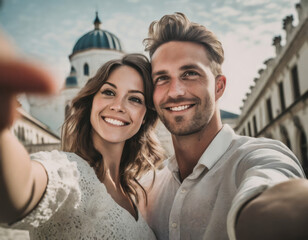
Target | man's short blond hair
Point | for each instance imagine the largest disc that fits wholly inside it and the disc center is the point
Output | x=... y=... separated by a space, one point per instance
x=177 y=27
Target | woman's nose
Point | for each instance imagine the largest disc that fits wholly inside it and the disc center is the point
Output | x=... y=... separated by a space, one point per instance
x=117 y=106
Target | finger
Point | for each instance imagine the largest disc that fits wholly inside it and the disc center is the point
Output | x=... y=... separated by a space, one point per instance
x=20 y=76
x=8 y=106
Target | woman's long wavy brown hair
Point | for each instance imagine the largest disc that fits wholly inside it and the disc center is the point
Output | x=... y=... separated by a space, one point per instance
x=141 y=153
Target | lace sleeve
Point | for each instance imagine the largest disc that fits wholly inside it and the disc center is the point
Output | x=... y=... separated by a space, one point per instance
x=62 y=189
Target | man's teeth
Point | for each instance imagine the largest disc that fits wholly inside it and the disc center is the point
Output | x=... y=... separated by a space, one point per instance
x=179 y=108
x=114 y=122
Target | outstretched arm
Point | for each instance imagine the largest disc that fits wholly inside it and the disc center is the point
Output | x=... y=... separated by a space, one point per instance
x=22 y=182
x=280 y=212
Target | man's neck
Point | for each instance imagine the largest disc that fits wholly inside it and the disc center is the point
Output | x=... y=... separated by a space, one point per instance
x=188 y=149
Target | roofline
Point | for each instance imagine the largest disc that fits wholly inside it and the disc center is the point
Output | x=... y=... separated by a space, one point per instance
x=35 y=121
x=93 y=48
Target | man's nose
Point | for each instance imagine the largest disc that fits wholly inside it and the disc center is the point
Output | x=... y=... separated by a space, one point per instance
x=176 y=88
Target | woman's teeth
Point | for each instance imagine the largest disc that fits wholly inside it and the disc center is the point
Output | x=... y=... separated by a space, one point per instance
x=114 y=122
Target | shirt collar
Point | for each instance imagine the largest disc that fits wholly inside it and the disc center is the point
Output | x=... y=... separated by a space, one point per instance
x=217 y=147
x=214 y=151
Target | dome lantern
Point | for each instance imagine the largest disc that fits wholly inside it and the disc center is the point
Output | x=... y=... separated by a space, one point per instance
x=97 y=22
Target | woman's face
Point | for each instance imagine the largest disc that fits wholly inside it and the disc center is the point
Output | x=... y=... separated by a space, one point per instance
x=118 y=108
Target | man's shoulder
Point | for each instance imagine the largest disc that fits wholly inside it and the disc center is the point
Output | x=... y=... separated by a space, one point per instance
x=158 y=176
x=246 y=143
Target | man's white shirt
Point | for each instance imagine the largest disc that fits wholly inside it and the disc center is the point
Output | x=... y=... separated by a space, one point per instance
x=231 y=171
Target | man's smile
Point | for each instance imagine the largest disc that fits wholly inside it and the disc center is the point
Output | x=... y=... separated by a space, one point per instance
x=180 y=107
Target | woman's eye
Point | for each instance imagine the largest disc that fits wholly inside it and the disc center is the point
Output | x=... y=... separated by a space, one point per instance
x=136 y=99
x=108 y=92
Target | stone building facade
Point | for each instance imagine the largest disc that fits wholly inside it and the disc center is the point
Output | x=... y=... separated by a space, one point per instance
x=277 y=105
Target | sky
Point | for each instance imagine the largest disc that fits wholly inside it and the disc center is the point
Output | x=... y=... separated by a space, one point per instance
x=48 y=30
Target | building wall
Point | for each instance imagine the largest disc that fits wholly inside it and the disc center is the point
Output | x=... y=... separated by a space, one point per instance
x=29 y=131
x=288 y=123
x=51 y=110
x=95 y=58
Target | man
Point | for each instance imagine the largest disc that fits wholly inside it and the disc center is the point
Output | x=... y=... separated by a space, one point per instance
x=218 y=185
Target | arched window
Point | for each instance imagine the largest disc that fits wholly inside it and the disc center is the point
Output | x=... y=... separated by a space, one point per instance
x=66 y=110
x=304 y=150
x=23 y=134
x=86 y=69
x=285 y=136
x=73 y=70
x=19 y=133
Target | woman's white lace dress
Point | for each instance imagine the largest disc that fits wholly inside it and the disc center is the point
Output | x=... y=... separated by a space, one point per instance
x=76 y=205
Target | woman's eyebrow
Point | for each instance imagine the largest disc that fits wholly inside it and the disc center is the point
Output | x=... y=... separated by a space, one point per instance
x=136 y=91
x=130 y=91
x=111 y=84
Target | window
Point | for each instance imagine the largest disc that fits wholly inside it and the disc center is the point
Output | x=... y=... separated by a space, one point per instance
x=244 y=132
x=295 y=82
x=86 y=69
x=304 y=150
x=67 y=107
x=23 y=134
x=255 y=129
x=19 y=133
x=281 y=94
x=269 y=109
x=285 y=137
x=249 y=129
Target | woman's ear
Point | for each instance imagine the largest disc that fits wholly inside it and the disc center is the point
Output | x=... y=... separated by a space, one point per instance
x=220 y=86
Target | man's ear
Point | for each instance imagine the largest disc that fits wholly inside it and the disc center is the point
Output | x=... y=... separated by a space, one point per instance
x=220 y=86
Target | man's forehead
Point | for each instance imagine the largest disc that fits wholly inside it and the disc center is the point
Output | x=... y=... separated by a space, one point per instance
x=178 y=54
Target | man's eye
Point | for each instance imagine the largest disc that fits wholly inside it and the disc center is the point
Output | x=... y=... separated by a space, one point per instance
x=160 y=79
x=190 y=73
x=136 y=99
x=108 y=92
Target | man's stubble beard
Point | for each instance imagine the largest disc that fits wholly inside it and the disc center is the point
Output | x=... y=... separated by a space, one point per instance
x=199 y=121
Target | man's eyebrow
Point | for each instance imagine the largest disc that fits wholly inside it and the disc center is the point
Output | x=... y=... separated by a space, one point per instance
x=189 y=66
x=184 y=67
x=159 y=73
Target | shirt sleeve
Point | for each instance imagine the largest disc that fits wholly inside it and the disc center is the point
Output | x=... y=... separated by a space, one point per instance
x=258 y=171
x=62 y=189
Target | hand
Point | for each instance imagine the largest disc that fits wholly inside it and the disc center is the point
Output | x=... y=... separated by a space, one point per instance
x=18 y=76
x=280 y=212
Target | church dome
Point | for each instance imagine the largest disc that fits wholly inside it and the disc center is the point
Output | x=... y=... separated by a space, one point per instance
x=97 y=38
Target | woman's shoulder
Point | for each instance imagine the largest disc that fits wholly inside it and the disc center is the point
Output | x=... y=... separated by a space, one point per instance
x=56 y=157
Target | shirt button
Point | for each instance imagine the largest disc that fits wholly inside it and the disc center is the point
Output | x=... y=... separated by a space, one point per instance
x=174 y=225
x=183 y=190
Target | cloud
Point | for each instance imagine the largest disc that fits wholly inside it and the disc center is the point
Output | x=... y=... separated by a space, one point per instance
x=131 y=31
x=252 y=2
x=226 y=11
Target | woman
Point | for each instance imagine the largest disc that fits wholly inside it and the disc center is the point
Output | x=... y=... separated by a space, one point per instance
x=91 y=190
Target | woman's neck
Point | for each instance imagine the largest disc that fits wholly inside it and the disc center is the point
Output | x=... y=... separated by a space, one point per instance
x=112 y=153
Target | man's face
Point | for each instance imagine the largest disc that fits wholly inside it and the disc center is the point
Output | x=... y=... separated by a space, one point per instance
x=184 y=94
